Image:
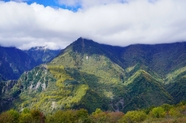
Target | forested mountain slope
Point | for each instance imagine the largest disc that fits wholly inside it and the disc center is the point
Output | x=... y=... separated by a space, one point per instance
x=91 y=75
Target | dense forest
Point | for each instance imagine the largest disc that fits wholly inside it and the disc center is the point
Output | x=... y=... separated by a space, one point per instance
x=162 y=114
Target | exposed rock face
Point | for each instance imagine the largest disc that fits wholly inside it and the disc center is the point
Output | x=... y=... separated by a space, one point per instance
x=8 y=86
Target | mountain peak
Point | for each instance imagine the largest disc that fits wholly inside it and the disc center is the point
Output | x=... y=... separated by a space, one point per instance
x=40 y=48
x=83 y=41
x=81 y=38
x=83 y=45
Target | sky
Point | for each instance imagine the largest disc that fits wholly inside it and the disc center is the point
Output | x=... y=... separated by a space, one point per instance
x=57 y=23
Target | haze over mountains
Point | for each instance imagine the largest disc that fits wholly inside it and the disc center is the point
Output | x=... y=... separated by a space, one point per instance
x=90 y=75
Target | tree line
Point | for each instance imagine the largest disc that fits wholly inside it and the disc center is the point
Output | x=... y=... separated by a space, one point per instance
x=162 y=114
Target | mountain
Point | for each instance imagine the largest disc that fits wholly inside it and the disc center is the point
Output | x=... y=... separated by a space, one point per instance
x=42 y=54
x=91 y=75
x=13 y=62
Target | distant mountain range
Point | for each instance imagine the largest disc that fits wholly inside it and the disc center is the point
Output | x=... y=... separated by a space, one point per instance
x=42 y=54
x=91 y=75
x=13 y=61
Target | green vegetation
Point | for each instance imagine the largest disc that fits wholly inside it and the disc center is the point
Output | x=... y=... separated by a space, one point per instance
x=60 y=74
x=51 y=89
x=171 y=77
x=162 y=114
x=158 y=112
x=133 y=117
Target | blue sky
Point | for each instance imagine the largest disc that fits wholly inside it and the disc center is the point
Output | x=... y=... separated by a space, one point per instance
x=43 y=2
x=51 y=3
x=54 y=4
x=58 y=23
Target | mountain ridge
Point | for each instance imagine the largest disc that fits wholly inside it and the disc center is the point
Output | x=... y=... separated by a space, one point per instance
x=14 y=62
x=90 y=75
x=42 y=54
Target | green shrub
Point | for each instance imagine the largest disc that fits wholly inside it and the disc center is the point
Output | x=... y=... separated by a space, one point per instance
x=25 y=118
x=133 y=117
x=174 y=112
x=158 y=112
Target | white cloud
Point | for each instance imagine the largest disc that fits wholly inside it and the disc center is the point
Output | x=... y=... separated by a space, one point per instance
x=109 y=22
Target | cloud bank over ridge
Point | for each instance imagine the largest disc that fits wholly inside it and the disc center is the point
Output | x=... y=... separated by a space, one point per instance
x=113 y=22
